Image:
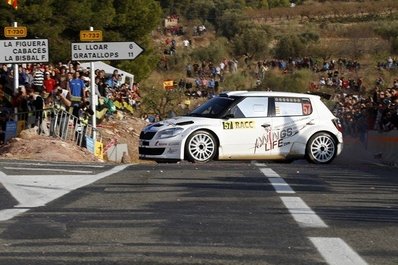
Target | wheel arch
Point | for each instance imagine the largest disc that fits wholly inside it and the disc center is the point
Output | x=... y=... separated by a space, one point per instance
x=332 y=135
x=322 y=131
x=196 y=130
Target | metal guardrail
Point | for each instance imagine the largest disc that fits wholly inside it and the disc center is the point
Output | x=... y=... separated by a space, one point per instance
x=56 y=123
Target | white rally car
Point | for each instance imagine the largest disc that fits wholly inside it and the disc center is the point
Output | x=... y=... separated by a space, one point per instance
x=242 y=125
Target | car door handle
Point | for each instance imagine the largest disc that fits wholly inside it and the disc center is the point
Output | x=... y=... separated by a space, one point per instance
x=311 y=122
x=265 y=125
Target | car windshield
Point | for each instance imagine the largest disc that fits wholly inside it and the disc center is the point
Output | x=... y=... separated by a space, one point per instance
x=214 y=108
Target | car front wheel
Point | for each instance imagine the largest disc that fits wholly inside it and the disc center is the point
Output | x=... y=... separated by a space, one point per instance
x=201 y=147
x=321 y=148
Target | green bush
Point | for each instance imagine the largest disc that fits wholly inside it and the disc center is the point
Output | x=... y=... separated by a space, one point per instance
x=296 y=82
x=218 y=50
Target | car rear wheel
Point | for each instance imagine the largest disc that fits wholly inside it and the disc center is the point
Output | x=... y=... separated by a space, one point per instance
x=201 y=147
x=321 y=148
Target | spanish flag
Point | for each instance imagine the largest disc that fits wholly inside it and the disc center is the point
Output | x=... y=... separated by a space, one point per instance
x=13 y=3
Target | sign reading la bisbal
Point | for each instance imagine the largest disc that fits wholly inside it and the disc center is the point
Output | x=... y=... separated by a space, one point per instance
x=97 y=51
x=24 y=51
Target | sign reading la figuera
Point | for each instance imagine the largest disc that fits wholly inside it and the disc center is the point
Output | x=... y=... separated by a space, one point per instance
x=24 y=51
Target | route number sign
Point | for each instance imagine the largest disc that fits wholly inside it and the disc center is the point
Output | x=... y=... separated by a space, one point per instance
x=15 y=32
x=91 y=35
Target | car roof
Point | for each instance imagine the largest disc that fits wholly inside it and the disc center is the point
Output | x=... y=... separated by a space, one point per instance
x=245 y=93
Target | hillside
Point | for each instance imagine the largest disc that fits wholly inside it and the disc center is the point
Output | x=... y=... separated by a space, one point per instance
x=344 y=30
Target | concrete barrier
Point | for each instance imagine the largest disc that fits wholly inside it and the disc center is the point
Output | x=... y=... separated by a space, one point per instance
x=384 y=145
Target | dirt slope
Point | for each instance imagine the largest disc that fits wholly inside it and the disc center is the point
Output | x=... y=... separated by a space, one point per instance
x=31 y=146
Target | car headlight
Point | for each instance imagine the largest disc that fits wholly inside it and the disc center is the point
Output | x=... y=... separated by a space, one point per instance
x=169 y=133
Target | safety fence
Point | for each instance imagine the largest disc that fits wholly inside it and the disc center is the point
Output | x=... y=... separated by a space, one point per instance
x=53 y=122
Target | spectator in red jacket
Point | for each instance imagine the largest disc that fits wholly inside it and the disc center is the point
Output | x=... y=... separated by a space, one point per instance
x=49 y=83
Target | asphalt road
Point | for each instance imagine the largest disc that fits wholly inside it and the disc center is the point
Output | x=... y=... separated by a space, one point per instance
x=217 y=213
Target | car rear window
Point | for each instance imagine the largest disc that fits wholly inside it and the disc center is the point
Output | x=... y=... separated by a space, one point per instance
x=290 y=106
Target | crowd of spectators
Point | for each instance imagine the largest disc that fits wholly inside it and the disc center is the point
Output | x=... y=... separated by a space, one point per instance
x=41 y=85
x=376 y=112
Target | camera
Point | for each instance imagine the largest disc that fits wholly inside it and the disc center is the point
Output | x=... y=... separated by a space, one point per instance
x=85 y=107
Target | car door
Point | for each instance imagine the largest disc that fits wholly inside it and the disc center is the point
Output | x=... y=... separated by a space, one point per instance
x=290 y=117
x=242 y=132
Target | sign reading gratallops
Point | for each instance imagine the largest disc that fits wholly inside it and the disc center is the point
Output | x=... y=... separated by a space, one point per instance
x=98 y=51
x=24 y=51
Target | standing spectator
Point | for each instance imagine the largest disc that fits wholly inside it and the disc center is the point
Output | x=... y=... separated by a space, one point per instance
x=36 y=103
x=38 y=78
x=211 y=85
x=29 y=76
x=4 y=77
x=22 y=76
x=21 y=100
x=185 y=43
x=61 y=77
x=49 y=83
x=113 y=81
x=76 y=86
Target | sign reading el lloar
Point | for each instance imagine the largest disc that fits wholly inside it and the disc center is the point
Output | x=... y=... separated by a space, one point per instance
x=98 y=51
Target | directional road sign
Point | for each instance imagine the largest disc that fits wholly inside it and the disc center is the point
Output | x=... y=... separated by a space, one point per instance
x=24 y=51
x=98 y=51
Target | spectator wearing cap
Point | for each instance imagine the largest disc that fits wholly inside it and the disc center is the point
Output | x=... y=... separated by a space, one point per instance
x=49 y=83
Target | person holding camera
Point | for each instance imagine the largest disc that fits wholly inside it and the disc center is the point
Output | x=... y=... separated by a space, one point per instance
x=61 y=102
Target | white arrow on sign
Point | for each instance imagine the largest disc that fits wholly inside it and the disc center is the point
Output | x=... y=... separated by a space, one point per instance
x=97 y=51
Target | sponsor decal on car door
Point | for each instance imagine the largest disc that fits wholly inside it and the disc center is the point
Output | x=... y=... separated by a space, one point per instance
x=240 y=131
x=291 y=116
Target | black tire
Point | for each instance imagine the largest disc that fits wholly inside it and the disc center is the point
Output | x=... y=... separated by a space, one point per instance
x=321 y=148
x=201 y=147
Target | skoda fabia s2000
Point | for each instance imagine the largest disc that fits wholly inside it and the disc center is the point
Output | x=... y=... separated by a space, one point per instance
x=244 y=125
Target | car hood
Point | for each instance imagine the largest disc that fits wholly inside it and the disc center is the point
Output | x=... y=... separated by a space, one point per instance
x=179 y=121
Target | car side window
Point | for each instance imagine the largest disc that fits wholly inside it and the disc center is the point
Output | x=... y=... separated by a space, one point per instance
x=285 y=106
x=251 y=107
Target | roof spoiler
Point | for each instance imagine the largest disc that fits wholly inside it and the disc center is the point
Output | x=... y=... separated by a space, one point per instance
x=321 y=94
x=231 y=93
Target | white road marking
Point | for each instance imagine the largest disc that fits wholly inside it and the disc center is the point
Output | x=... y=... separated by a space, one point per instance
x=38 y=190
x=280 y=185
x=8 y=214
x=303 y=214
x=276 y=181
x=259 y=164
x=53 y=164
x=269 y=173
x=50 y=169
x=336 y=252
